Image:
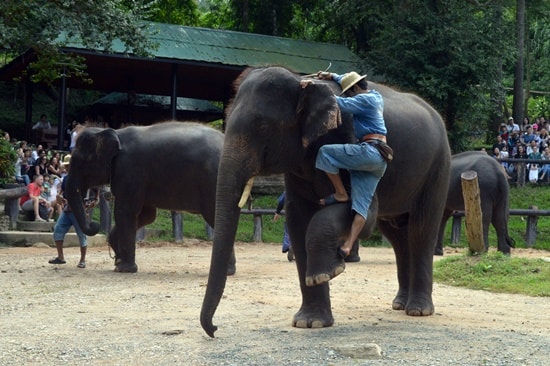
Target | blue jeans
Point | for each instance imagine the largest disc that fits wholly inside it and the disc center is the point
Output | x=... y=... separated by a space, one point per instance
x=365 y=165
x=62 y=226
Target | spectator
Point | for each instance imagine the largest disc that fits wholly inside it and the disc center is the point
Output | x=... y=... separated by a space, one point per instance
x=54 y=167
x=513 y=142
x=42 y=124
x=74 y=134
x=543 y=139
x=529 y=136
x=531 y=146
x=503 y=132
x=21 y=167
x=65 y=221
x=46 y=191
x=525 y=124
x=534 y=168
x=32 y=201
x=41 y=166
x=501 y=143
x=511 y=126
x=286 y=238
x=545 y=168
x=36 y=153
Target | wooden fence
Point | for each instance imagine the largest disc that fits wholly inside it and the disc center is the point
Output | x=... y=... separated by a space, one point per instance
x=11 y=209
x=532 y=214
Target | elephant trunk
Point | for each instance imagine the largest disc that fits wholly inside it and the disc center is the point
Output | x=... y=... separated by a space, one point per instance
x=231 y=183
x=76 y=204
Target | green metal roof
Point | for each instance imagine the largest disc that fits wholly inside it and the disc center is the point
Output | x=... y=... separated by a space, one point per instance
x=244 y=49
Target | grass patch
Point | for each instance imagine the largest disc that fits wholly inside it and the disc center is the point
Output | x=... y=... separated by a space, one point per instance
x=495 y=272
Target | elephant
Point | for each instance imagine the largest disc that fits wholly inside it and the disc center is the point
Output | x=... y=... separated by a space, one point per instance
x=171 y=165
x=493 y=192
x=274 y=126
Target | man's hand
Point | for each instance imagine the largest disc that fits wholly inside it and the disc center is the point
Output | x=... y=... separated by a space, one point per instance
x=305 y=83
x=324 y=75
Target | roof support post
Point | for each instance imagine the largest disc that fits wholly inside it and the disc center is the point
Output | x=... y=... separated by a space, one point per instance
x=174 y=94
x=62 y=107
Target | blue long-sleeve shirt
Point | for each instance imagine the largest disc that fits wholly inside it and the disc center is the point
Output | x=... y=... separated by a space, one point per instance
x=367 y=110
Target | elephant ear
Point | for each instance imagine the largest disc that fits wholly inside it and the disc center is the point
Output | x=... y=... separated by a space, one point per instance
x=317 y=112
x=107 y=145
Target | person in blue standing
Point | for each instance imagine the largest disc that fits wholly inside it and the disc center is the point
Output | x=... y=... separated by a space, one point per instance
x=362 y=159
x=68 y=219
x=287 y=248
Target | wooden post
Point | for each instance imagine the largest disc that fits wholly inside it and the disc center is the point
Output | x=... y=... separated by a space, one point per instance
x=257 y=228
x=531 y=229
x=177 y=226
x=455 y=232
x=472 y=209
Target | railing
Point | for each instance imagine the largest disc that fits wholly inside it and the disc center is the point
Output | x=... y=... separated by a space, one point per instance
x=521 y=167
x=12 y=195
x=532 y=214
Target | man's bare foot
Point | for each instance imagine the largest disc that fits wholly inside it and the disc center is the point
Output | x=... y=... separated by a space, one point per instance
x=332 y=199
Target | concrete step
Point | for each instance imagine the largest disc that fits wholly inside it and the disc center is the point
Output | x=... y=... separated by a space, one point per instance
x=47 y=227
x=28 y=238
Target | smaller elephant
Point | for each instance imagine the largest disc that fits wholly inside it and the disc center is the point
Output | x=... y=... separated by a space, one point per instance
x=170 y=165
x=493 y=190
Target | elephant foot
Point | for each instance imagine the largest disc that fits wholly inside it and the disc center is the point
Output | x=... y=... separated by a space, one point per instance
x=124 y=267
x=438 y=251
x=319 y=278
x=231 y=269
x=413 y=307
x=313 y=319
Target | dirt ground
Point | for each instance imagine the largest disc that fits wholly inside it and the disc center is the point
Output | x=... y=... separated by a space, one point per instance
x=60 y=314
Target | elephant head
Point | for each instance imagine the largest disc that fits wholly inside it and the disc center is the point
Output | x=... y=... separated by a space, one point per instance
x=90 y=166
x=271 y=126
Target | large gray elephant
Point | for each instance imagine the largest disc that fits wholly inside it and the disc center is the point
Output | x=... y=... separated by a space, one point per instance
x=493 y=194
x=171 y=165
x=274 y=126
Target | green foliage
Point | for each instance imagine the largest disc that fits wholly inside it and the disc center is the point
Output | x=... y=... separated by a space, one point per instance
x=8 y=157
x=47 y=25
x=183 y=12
x=495 y=272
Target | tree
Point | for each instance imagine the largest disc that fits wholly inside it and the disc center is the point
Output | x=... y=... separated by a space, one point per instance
x=182 y=12
x=48 y=25
x=519 y=70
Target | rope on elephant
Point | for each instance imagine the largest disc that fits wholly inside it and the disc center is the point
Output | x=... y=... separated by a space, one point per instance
x=315 y=74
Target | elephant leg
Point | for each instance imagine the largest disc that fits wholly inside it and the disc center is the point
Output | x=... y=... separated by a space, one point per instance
x=413 y=242
x=441 y=235
x=500 y=223
x=127 y=220
x=315 y=311
x=486 y=221
x=326 y=232
x=396 y=233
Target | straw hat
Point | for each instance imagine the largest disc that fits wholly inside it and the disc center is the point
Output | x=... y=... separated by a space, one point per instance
x=66 y=160
x=349 y=80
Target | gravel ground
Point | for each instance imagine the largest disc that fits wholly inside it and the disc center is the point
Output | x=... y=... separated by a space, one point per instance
x=51 y=315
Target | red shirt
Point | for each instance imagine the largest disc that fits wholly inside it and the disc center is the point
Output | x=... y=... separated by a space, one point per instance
x=34 y=189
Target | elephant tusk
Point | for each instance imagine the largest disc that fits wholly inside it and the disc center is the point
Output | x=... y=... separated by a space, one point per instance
x=246 y=192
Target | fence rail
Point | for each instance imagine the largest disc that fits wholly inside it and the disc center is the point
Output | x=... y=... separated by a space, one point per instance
x=11 y=209
x=532 y=214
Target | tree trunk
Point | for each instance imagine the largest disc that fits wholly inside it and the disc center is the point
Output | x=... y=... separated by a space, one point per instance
x=519 y=69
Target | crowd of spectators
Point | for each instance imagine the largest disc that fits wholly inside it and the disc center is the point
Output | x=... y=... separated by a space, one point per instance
x=42 y=170
x=530 y=141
